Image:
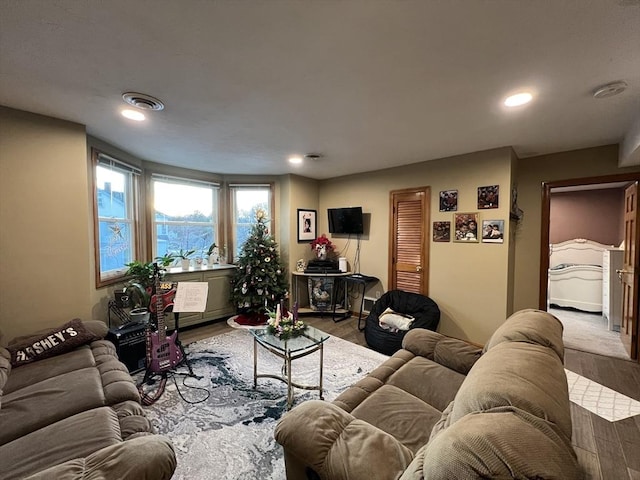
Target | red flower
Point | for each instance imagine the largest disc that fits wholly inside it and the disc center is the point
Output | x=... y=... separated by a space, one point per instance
x=322 y=241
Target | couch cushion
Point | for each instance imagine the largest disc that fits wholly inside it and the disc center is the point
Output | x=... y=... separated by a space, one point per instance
x=450 y=352
x=506 y=443
x=357 y=393
x=49 y=401
x=5 y=369
x=73 y=437
x=35 y=372
x=148 y=458
x=429 y=381
x=521 y=375
x=400 y=414
x=530 y=326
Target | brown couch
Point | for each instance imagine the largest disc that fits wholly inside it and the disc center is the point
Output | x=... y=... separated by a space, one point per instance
x=76 y=415
x=441 y=409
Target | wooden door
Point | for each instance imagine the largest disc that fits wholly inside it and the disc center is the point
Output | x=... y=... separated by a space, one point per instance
x=630 y=272
x=409 y=248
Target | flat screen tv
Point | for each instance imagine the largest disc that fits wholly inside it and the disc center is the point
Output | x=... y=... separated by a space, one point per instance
x=346 y=220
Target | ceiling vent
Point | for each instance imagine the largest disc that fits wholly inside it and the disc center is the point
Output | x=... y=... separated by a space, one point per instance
x=142 y=101
x=313 y=156
x=610 y=89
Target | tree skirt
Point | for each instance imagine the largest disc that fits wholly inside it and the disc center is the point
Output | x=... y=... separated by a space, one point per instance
x=230 y=434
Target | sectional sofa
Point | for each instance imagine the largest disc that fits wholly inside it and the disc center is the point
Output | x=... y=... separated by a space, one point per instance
x=440 y=409
x=70 y=410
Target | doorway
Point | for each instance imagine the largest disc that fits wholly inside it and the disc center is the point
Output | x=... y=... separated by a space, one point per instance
x=571 y=291
x=408 y=262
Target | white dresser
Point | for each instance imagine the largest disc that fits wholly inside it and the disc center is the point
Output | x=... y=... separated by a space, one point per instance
x=612 y=288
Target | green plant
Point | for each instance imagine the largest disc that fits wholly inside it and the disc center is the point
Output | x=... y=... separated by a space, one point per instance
x=166 y=260
x=139 y=286
x=184 y=254
x=141 y=272
x=211 y=247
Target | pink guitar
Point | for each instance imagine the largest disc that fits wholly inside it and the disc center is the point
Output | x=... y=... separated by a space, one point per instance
x=163 y=353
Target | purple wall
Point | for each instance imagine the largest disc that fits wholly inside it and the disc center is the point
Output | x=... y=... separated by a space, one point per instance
x=592 y=214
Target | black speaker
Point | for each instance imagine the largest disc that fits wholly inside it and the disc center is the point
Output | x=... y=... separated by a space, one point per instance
x=130 y=343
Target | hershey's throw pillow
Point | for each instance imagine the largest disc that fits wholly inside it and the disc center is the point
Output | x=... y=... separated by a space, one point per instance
x=54 y=342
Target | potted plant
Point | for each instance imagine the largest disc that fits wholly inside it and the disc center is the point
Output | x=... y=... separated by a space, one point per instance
x=138 y=289
x=184 y=255
x=322 y=246
x=213 y=254
x=166 y=260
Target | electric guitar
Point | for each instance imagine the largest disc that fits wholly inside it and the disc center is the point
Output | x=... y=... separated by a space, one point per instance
x=163 y=353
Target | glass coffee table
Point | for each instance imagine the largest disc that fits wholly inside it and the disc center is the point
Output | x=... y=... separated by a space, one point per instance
x=310 y=341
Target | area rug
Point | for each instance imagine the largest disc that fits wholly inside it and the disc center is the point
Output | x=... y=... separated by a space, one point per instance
x=230 y=434
x=588 y=332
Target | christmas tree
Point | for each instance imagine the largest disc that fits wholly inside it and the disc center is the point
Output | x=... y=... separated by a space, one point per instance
x=259 y=282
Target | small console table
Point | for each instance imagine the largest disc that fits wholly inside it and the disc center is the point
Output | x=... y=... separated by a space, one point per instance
x=338 y=313
x=342 y=280
x=363 y=280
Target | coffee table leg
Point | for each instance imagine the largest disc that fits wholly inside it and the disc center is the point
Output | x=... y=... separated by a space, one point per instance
x=321 y=365
x=289 y=386
x=255 y=363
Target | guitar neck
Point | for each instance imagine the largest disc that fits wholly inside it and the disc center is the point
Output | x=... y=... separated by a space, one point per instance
x=162 y=328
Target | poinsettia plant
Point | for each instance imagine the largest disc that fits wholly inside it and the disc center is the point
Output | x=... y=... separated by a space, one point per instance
x=322 y=242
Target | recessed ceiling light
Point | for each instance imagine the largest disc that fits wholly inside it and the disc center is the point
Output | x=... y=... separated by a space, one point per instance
x=133 y=115
x=610 y=89
x=142 y=101
x=295 y=159
x=518 y=99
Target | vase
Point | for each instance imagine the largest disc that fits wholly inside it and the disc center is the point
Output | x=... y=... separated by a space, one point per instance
x=321 y=253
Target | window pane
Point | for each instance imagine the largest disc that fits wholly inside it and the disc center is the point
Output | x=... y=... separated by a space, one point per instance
x=115 y=245
x=247 y=201
x=185 y=217
x=116 y=241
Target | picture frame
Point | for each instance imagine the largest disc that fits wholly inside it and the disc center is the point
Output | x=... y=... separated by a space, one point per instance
x=307 y=225
x=441 y=231
x=493 y=231
x=488 y=197
x=449 y=200
x=466 y=227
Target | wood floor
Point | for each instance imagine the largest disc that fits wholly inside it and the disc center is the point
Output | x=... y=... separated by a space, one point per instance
x=607 y=451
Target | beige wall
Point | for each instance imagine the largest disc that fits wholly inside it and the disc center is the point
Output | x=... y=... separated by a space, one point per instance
x=532 y=172
x=45 y=274
x=468 y=281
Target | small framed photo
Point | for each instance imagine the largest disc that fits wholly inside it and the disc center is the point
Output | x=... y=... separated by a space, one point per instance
x=488 y=196
x=441 y=231
x=493 y=231
x=307 y=225
x=449 y=200
x=466 y=225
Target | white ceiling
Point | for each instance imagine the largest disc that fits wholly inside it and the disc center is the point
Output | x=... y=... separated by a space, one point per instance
x=368 y=84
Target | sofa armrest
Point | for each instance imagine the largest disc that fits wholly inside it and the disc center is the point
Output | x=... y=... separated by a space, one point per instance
x=149 y=457
x=336 y=445
x=455 y=354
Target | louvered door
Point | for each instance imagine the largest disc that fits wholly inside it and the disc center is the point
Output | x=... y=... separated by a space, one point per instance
x=408 y=266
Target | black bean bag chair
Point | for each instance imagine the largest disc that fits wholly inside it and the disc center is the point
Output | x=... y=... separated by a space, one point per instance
x=423 y=309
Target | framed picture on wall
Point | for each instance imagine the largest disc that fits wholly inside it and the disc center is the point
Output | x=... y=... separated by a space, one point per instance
x=448 y=200
x=493 y=231
x=307 y=225
x=466 y=225
x=488 y=196
x=441 y=231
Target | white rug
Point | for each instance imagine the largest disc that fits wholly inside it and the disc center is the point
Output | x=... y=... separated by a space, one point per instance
x=230 y=435
x=602 y=401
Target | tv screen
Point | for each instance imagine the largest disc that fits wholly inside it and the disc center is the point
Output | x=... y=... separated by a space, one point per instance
x=345 y=220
